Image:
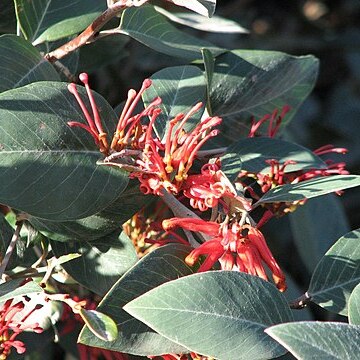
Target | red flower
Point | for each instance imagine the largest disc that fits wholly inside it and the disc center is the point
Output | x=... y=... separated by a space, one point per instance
x=237 y=247
x=165 y=165
x=274 y=120
x=129 y=131
x=13 y=318
x=210 y=187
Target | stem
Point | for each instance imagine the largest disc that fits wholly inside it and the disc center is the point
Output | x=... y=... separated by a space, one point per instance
x=90 y=32
x=180 y=210
x=300 y=302
x=10 y=248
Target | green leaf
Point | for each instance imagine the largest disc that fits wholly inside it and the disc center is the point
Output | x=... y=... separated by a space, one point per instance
x=49 y=20
x=21 y=63
x=161 y=265
x=152 y=29
x=354 y=306
x=310 y=188
x=202 y=7
x=231 y=165
x=240 y=307
x=214 y=24
x=249 y=83
x=180 y=88
x=318 y=340
x=49 y=169
x=14 y=288
x=100 y=324
x=314 y=238
x=102 y=263
x=98 y=225
x=337 y=274
x=254 y=152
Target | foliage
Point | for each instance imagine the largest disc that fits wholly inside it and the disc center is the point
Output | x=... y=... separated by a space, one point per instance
x=141 y=223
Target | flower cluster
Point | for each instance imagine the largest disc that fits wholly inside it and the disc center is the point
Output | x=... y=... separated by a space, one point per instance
x=13 y=321
x=165 y=166
x=158 y=164
x=235 y=246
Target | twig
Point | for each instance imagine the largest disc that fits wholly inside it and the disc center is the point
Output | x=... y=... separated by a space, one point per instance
x=10 y=248
x=89 y=34
x=300 y=302
x=181 y=210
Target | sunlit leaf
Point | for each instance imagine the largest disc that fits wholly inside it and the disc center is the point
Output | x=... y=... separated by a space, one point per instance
x=354 y=306
x=161 y=265
x=215 y=24
x=14 y=288
x=310 y=188
x=203 y=7
x=318 y=340
x=337 y=274
x=147 y=26
x=100 y=324
x=49 y=20
x=240 y=307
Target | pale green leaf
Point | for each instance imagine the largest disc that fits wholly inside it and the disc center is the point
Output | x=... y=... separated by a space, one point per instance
x=310 y=188
x=161 y=265
x=354 y=306
x=337 y=274
x=147 y=26
x=100 y=324
x=318 y=340
x=49 y=20
x=229 y=324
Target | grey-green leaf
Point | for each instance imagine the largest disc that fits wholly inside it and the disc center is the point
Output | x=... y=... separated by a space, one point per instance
x=318 y=340
x=314 y=238
x=102 y=263
x=256 y=82
x=147 y=26
x=214 y=24
x=161 y=265
x=100 y=324
x=49 y=20
x=14 y=288
x=49 y=169
x=354 y=306
x=222 y=314
x=179 y=88
x=203 y=7
x=310 y=188
x=21 y=63
x=254 y=152
x=337 y=274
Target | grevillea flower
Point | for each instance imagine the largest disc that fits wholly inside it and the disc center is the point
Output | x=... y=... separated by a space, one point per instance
x=235 y=246
x=13 y=321
x=207 y=189
x=129 y=131
x=279 y=175
x=165 y=165
x=157 y=164
x=274 y=121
